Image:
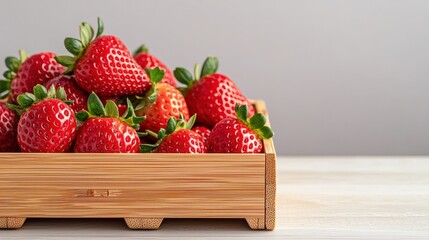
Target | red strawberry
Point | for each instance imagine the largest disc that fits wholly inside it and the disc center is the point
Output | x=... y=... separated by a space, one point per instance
x=73 y=91
x=147 y=60
x=103 y=65
x=241 y=135
x=103 y=131
x=204 y=132
x=212 y=97
x=160 y=103
x=178 y=138
x=8 y=129
x=25 y=73
x=47 y=123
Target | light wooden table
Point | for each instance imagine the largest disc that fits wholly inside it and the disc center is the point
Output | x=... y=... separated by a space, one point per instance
x=318 y=198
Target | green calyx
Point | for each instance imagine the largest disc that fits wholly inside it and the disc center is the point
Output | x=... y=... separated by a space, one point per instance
x=77 y=47
x=110 y=110
x=184 y=76
x=12 y=64
x=173 y=125
x=142 y=49
x=155 y=75
x=256 y=122
x=39 y=94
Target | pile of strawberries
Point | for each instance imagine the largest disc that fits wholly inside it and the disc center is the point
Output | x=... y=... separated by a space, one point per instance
x=103 y=99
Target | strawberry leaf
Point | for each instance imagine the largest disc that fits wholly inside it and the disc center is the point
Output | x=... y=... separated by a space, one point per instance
x=51 y=92
x=266 y=132
x=138 y=120
x=4 y=88
x=111 y=109
x=161 y=133
x=171 y=125
x=61 y=94
x=191 y=121
x=82 y=116
x=145 y=148
x=210 y=66
x=16 y=108
x=66 y=61
x=95 y=106
x=24 y=100
x=86 y=33
x=183 y=76
x=142 y=49
x=100 y=28
x=130 y=110
x=12 y=63
x=242 y=112
x=257 y=121
x=40 y=92
x=9 y=75
x=74 y=46
x=22 y=55
x=155 y=75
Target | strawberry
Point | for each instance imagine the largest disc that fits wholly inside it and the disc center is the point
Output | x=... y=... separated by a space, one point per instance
x=204 y=132
x=178 y=138
x=212 y=97
x=25 y=73
x=8 y=129
x=147 y=60
x=160 y=103
x=103 y=131
x=241 y=134
x=103 y=65
x=47 y=123
x=73 y=91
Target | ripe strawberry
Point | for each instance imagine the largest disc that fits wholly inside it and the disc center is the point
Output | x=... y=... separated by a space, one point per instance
x=241 y=135
x=25 y=73
x=147 y=60
x=212 y=97
x=160 y=103
x=204 y=132
x=103 y=131
x=178 y=138
x=8 y=129
x=73 y=91
x=47 y=123
x=103 y=65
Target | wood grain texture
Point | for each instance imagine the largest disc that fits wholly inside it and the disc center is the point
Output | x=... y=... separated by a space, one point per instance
x=144 y=223
x=270 y=173
x=132 y=185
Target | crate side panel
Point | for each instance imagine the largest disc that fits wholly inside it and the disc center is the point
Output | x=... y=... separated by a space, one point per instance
x=270 y=171
x=132 y=185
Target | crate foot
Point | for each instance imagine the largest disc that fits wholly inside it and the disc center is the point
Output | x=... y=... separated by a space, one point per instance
x=11 y=222
x=256 y=223
x=144 y=223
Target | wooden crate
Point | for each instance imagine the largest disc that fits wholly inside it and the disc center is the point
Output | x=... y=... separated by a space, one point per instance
x=141 y=188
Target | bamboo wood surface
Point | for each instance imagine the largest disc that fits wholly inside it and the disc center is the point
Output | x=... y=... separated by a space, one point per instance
x=317 y=198
x=163 y=185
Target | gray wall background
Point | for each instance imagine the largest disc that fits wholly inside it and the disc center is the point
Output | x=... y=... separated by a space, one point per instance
x=339 y=77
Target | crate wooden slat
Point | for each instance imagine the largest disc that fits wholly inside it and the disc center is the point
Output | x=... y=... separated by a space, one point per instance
x=141 y=188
